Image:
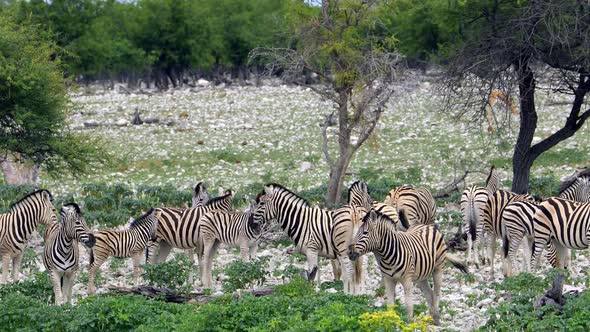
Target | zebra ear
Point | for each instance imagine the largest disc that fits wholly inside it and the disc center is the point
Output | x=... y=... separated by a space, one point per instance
x=268 y=191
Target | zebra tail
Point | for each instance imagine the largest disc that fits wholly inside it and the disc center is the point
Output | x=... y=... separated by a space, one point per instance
x=458 y=263
x=505 y=243
x=403 y=219
x=472 y=220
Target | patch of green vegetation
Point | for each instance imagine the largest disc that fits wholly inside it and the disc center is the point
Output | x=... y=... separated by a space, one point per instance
x=230 y=156
x=242 y=275
x=567 y=156
x=172 y=274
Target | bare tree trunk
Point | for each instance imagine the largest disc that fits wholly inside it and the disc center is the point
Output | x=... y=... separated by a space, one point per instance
x=336 y=181
x=16 y=173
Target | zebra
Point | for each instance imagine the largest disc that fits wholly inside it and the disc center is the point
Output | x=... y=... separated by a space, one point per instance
x=130 y=242
x=178 y=227
x=563 y=223
x=359 y=195
x=217 y=227
x=61 y=251
x=200 y=195
x=473 y=200
x=308 y=227
x=405 y=257
x=17 y=226
x=519 y=222
x=492 y=218
x=418 y=203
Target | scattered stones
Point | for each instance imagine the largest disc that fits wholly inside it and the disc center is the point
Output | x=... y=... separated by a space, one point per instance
x=305 y=166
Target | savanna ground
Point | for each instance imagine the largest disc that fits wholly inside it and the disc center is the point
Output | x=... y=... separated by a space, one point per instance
x=243 y=137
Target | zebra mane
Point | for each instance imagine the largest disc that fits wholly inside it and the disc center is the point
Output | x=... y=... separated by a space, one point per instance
x=217 y=199
x=379 y=215
x=289 y=192
x=141 y=220
x=34 y=193
x=73 y=205
x=569 y=181
x=356 y=184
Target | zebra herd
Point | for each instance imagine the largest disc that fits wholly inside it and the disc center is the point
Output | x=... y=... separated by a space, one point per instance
x=400 y=232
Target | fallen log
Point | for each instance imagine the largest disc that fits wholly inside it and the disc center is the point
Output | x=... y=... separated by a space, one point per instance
x=170 y=295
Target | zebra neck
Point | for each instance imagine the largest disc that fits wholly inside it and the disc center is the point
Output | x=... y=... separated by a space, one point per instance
x=389 y=240
x=141 y=232
x=62 y=236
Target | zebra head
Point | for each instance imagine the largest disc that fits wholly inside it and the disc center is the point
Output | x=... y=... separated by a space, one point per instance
x=200 y=195
x=358 y=194
x=254 y=224
x=367 y=237
x=48 y=211
x=75 y=225
x=265 y=211
x=154 y=216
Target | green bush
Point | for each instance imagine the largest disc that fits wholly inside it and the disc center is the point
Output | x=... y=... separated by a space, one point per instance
x=242 y=275
x=11 y=193
x=544 y=186
x=38 y=287
x=172 y=274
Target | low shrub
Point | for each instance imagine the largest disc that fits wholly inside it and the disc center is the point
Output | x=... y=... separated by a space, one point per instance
x=38 y=287
x=172 y=274
x=242 y=275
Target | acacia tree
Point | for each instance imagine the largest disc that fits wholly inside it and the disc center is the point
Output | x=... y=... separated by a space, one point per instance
x=33 y=100
x=343 y=46
x=521 y=47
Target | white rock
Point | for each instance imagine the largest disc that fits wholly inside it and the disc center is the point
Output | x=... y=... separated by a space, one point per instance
x=122 y=122
x=305 y=166
x=485 y=302
x=331 y=290
x=202 y=82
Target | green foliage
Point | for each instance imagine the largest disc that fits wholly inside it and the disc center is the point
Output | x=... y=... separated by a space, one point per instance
x=30 y=260
x=242 y=275
x=99 y=279
x=33 y=101
x=172 y=274
x=38 y=287
x=336 y=284
x=544 y=186
x=11 y=193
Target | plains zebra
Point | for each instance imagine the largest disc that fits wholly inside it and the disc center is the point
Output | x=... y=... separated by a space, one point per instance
x=17 y=226
x=519 y=222
x=493 y=180
x=130 y=242
x=473 y=200
x=237 y=228
x=418 y=204
x=61 y=252
x=178 y=228
x=405 y=257
x=359 y=195
x=492 y=218
x=308 y=227
x=563 y=222
x=200 y=195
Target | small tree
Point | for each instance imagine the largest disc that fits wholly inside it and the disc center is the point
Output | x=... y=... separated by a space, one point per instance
x=519 y=47
x=344 y=46
x=33 y=98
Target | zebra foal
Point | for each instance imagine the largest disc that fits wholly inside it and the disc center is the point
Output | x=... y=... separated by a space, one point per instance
x=235 y=228
x=61 y=252
x=17 y=226
x=126 y=243
x=405 y=257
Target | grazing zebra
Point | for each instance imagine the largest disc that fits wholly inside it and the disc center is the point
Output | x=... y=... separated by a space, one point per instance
x=61 y=251
x=178 y=228
x=472 y=203
x=200 y=195
x=17 y=226
x=519 y=222
x=217 y=227
x=405 y=257
x=564 y=223
x=418 y=204
x=130 y=242
x=308 y=227
x=492 y=218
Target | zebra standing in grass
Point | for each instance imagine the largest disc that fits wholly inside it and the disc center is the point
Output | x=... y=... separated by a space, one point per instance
x=61 y=252
x=492 y=219
x=178 y=228
x=17 y=226
x=405 y=257
x=472 y=203
x=217 y=227
x=308 y=227
x=519 y=221
x=130 y=242
x=418 y=204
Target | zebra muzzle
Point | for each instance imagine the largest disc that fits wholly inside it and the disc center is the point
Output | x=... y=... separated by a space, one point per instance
x=90 y=242
x=353 y=255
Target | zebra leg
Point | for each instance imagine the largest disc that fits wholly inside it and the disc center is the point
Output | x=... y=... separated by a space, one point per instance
x=56 y=280
x=244 y=251
x=408 y=287
x=336 y=269
x=346 y=276
x=430 y=300
x=312 y=261
x=540 y=241
x=136 y=269
x=164 y=251
x=206 y=274
x=561 y=254
x=5 y=263
x=389 y=284
x=98 y=261
x=492 y=254
x=16 y=263
x=68 y=283
x=253 y=250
